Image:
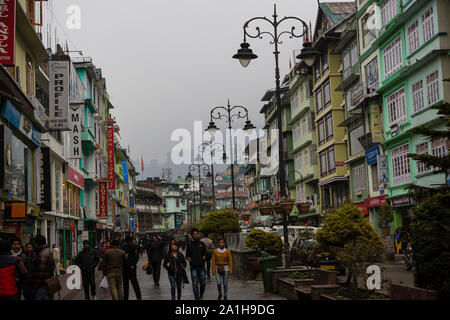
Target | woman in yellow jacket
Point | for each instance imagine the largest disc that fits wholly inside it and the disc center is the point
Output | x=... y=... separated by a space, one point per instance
x=223 y=266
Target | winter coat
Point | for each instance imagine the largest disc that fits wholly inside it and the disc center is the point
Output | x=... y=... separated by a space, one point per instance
x=155 y=250
x=133 y=255
x=87 y=260
x=172 y=263
x=9 y=264
x=196 y=250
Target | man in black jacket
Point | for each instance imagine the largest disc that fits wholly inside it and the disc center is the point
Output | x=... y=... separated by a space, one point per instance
x=155 y=256
x=196 y=255
x=129 y=268
x=88 y=260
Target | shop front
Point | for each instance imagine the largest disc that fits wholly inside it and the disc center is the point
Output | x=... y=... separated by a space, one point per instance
x=373 y=205
x=66 y=233
x=403 y=208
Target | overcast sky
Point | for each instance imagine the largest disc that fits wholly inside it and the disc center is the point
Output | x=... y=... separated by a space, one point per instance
x=167 y=63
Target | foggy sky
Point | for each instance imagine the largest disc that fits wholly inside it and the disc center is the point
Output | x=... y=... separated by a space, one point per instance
x=168 y=62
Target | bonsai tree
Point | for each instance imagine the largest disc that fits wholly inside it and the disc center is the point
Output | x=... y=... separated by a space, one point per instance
x=308 y=251
x=220 y=222
x=267 y=241
x=352 y=240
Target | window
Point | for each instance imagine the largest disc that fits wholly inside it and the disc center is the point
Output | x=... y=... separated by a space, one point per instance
x=178 y=203
x=413 y=37
x=317 y=69
x=401 y=169
x=369 y=28
x=297 y=162
x=18 y=169
x=304 y=126
x=397 y=107
x=388 y=11
x=326 y=197
x=347 y=64
x=323 y=163
x=321 y=131
x=355 y=56
x=294 y=101
x=428 y=25
x=331 y=160
x=359 y=178
x=417 y=96
x=422 y=149
x=355 y=145
x=329 y=126
x=392 y=55
x=326 y=94
x=433 y=88
x=325 y=65
x=319 y=105
x=438 y=147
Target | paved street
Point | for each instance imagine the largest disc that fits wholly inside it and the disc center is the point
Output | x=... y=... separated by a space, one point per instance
x=237 y=290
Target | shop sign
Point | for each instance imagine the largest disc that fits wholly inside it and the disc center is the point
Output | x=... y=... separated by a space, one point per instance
x=103 y=200
x=371 y=155
x=7 y=32
x=85 y=235
x=46 y=190
x=125 y=171
x=80 y=226
x=75 y=118
x=404 y=201
x=375 y=123
x=74 y=237
x=382 y=168
x=132 y=201
x=110 y=150
x=74 y=177
x=59 y=95
x=339 y=164
x=362 y=207
x=117 y=220
x=375 y=201
x=15 y=212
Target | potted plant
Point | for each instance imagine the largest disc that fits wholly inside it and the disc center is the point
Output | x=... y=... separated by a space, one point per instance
x=303 y=206
x=265 y=208
x=278 y=208
x=287 y=204
x=386 y=217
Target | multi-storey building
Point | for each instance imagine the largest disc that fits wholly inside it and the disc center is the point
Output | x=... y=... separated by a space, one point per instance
x=175 y=209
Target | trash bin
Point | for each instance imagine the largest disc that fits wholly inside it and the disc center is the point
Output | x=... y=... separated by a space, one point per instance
x=268 y=264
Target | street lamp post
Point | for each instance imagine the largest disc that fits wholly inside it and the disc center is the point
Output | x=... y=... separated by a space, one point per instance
x=211 y=145
x=237 y=112
x=245 y=55
x=197 y=167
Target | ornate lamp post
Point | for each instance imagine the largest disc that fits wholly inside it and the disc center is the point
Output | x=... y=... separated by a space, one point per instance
x=228 y=113
x=245 y=55
x=197 y=168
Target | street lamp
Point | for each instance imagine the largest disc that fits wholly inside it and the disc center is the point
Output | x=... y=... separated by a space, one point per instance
x=198 y=168
x=238 y=112
x=245 y=55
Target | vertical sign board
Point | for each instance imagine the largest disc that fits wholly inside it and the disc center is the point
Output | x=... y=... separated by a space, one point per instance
x=111 y=162
x=7 y=31
x=75 y=118
x=125 y=171
x=103 y=200
x=46 y=189
x=59 y=95
x=375 y=123
x=382 y=169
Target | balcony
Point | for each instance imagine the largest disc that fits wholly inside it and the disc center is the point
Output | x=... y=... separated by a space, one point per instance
x=366 y=141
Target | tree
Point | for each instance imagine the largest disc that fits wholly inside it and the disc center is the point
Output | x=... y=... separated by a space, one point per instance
x=430 y=243
x=267 y=241
x=352 y=240
x=220 y=222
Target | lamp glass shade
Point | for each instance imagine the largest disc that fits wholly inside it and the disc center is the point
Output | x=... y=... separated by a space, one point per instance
x=309 y=60
x=244 y=62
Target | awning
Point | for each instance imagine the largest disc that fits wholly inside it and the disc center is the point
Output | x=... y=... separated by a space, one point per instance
x=269 y=171
x=332 y=180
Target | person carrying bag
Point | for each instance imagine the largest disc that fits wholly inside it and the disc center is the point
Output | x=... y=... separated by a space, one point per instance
x=222 y=267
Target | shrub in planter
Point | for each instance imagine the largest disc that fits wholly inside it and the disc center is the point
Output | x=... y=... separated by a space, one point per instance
x=287 y=204
x=270 y=242
x=265 y=208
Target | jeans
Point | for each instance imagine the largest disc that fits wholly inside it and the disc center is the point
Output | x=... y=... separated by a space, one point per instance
x=129 y=275
x=222 y=279
x=88 y=281
x=175 y=281
x=198 y=274
x=156 y=266
x=28 y=290
x=42 y=294
x=208 y=264
x=115 y=285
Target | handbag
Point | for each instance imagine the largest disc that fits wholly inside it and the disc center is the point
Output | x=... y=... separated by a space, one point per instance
x=149 y=269
x=53 y=285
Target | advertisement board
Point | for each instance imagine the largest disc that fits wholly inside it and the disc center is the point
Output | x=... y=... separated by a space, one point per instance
x=59 y=95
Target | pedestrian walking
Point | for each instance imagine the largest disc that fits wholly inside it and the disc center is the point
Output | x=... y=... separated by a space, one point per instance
x=130 y=268
x=404 y=240
x=88 y=260
x=155 y=255
x=27 y=257
x=175 y=263
x=196 y=255
x=57 y=257
x=42 y=269
x=17 y=251
x=9 y=265
x=209 y=250
x=222 y=267
x=113 y=261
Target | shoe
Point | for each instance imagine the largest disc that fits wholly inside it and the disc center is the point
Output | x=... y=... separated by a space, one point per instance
x=157 y=284
x=219 y=297
x=87 y=298
x=201 y=298
x=179 y=298
x=94 y=297
x=225 y=298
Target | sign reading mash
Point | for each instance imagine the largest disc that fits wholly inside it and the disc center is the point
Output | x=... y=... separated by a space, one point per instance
x=75 y=118
x=59 y=95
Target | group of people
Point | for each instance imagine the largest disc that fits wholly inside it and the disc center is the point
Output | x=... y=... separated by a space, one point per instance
x=24 y=270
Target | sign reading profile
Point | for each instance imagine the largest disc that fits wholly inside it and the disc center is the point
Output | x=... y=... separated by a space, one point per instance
x=59 y=95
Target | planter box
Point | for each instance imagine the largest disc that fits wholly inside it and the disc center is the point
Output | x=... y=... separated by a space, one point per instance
x=282 y=273
x=265 y=210
x=286 y=288
x=400 y=292
x=318 y=289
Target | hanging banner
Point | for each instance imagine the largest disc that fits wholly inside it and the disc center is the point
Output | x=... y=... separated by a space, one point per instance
x=46 y=188
x=75 y=118
x=375 y=123
x=125 y=171
x=111 y=161
x=7 y=32
x=102 y=200
x=59 y=95
x=75 y=177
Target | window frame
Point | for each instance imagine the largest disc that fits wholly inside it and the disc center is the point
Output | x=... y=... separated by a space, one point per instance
x=393 y=62
x=401 y=165
x=434 y=84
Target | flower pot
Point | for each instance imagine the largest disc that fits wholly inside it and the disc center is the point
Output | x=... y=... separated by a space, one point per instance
x=279 y=209
x=302 y=207
x=265 y=210
x=254 y=265
x=287 y=206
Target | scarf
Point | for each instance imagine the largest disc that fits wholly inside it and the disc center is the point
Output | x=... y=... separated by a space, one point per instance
x=16 y=253
x=221 y=250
